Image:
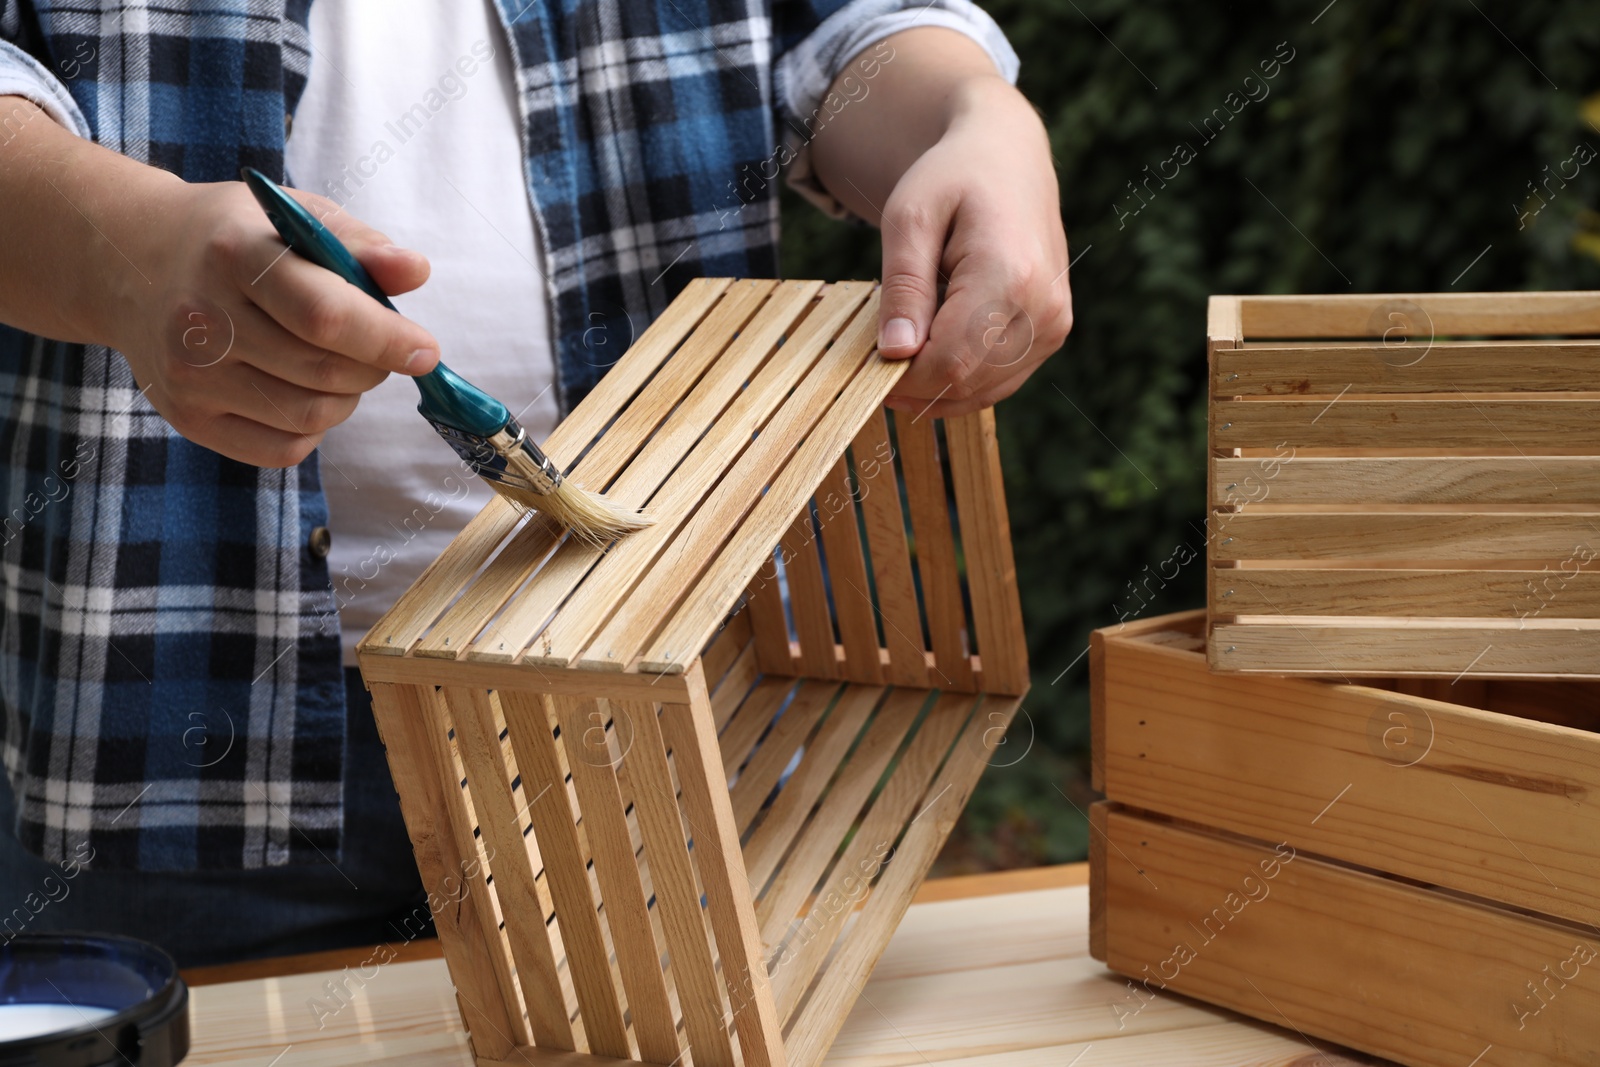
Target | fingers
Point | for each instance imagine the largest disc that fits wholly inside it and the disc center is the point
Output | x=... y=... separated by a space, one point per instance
x=1000 y=320
x=281 y=405
x=316 y=306
x=396 y=270
x=230 y=429
x=946 y=363
x=326 y=312
x=255 y=352
x=267 y=346
x=259 y=445
x=915 y=223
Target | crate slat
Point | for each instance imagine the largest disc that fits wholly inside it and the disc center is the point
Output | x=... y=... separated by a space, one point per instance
x=409 y=670
x=593 y=762
x=986 y=542
x=788 y=735
x=1389 y=592
x=1412 y=367
x=731 y=691
x=419 y=605
x=680 y=424
x=1525 y=479
x=1536 y=648
x=626 y=787
x=1255 y=533
x=891 y=559
x=1384 y=966
x=1411 y=314
x=929 y=505
x=852 y=604
x=751 y=720
x=724 y=649
x=1529 y=425
x=764 y=605
x=808 y=598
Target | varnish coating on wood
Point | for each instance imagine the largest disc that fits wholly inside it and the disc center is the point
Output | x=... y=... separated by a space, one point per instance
x=1408 y=865
x=1405 y=484
x=700 y=773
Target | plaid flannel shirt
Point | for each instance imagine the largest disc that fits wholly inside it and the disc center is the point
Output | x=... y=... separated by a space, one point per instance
x=172 y=694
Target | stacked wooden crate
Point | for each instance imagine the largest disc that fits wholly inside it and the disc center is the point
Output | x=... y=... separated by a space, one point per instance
x=650 y=787
x=1405 y=484
x=1403 y=857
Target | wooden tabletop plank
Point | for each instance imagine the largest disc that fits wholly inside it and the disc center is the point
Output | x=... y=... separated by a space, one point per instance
x=968 y=977
x=987 y=884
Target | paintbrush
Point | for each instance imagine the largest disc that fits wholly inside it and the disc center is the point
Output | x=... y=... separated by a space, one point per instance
x=476 y=425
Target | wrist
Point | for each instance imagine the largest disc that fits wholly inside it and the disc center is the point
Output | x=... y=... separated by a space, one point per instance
x=987 y=99
x=135 y=207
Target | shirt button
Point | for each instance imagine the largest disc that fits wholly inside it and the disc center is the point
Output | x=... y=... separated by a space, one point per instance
x=320 y=541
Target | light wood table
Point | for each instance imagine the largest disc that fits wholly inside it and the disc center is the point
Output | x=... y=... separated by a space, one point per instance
x=989 y=970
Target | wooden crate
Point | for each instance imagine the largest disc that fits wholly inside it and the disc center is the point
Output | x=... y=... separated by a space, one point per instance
x=649 y=788
x=1410 y=867
x=1405 y=485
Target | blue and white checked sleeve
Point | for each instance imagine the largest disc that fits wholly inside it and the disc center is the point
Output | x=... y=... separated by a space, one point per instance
x=805 y=72
x=22 y=75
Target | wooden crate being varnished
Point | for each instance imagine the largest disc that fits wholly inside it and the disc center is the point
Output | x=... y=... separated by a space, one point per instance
x=649 y=788
x=1407 y=866
x=1405 y=484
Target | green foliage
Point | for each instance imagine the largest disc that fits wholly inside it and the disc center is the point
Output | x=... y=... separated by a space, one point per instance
x=1398 y=143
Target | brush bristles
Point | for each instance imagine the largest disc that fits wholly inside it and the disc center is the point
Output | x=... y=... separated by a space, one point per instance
x=590 y=516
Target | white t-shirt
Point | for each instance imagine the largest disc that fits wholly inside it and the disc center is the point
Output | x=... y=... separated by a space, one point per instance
x=410 y=121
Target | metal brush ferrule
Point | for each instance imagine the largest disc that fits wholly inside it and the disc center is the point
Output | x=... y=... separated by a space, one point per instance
x=506 y=456
x=513 y=438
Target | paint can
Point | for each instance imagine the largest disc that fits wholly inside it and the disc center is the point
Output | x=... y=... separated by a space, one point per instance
x=90 y=1000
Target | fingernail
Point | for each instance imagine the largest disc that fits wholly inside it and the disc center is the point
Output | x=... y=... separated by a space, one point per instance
x=421 y=353
x=898 y=333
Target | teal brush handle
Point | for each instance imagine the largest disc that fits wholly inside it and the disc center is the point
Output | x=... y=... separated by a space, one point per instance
x=446 y=396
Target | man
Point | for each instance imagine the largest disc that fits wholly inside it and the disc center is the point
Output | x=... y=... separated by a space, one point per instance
x=215 y=477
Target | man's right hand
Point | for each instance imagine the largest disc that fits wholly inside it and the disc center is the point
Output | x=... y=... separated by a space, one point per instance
x=243 y=347
x=256 y=353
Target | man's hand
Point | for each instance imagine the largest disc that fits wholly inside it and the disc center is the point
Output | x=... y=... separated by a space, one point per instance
x=255 y=353
x=241 y=345
x=975 y=288
x=978 y=216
